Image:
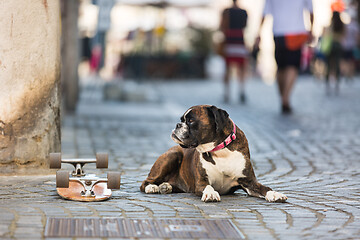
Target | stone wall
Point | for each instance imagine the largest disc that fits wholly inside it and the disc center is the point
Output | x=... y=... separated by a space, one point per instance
x=30 y=84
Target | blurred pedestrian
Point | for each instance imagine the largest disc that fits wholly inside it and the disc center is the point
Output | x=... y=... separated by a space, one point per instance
x=233 y=23
x=336 y=32
x=350 y=43
x=95 y=59
x=290 y=35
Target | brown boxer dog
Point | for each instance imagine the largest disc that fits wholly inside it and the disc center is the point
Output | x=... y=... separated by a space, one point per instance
x=213 y=159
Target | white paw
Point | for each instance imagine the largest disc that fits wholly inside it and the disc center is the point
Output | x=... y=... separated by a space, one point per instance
x=165 y=188
x=210 y=195
x=152 y=188
x=272 y=196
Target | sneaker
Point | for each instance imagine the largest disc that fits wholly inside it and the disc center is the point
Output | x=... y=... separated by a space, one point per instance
x=286 y=110
x=242 y=98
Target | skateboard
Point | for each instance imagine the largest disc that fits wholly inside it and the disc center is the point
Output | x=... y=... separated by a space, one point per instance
x=80 y=186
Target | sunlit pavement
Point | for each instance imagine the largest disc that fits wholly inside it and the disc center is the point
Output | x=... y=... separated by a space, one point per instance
x=312 y=156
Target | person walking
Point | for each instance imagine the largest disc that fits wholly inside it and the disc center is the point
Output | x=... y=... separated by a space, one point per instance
x=290 y=35
x=336 y=32
x=233 y=23
x=350 y=43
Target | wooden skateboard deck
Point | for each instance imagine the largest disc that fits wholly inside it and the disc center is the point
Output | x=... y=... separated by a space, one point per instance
x=73 y=192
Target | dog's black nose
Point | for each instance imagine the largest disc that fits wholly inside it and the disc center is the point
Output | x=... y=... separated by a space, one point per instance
x=178 y=125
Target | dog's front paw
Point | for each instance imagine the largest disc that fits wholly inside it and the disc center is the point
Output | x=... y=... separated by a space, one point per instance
x=152 y=188
x=272 y=196
x=210 y=195
x=165 y=188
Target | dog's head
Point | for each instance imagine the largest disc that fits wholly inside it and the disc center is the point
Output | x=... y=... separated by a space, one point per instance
x=200 y=125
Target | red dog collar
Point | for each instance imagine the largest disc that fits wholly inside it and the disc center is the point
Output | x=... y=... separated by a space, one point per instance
x=227 y=141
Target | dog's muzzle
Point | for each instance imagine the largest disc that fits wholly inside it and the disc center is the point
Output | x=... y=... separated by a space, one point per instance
x=181 y=136
x=175 y=137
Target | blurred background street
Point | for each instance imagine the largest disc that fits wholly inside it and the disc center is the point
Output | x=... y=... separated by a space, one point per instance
x=182 y=34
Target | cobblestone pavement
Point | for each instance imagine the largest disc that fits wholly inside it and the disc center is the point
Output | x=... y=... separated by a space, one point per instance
x=312 y=156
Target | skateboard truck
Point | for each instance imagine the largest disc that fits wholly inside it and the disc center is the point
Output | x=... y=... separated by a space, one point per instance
x=88 y=182
x=101 y=161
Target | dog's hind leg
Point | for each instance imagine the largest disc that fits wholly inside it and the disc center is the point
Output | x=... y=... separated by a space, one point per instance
x=162 y=171
x=256 y=189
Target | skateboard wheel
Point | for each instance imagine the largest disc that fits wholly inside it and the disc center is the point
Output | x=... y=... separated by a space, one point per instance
x=55 y=160
x=62 y=179
x=102 y=160
x=113 y=180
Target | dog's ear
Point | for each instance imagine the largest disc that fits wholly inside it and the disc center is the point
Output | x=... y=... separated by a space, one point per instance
x=220 y=117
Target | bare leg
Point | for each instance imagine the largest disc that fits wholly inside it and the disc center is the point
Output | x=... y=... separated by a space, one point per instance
x=281 y=81
x=351 y=69
x=242 y=78
x=329 y=73
x=291 y=74
x=227 y=83
x=286 y=79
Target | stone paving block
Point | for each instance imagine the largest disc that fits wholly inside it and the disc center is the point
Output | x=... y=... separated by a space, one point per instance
x=137 y=214
x=110 y=214
x=28 y=232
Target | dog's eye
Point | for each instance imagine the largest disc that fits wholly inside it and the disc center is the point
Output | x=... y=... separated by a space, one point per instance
x=190 y=120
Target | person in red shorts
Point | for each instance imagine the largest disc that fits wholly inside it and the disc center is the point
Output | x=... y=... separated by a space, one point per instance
x=289 y=36
x=233 y=22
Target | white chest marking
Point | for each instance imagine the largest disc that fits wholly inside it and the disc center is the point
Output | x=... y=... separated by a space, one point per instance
x=205 y=147
x=224 y=174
